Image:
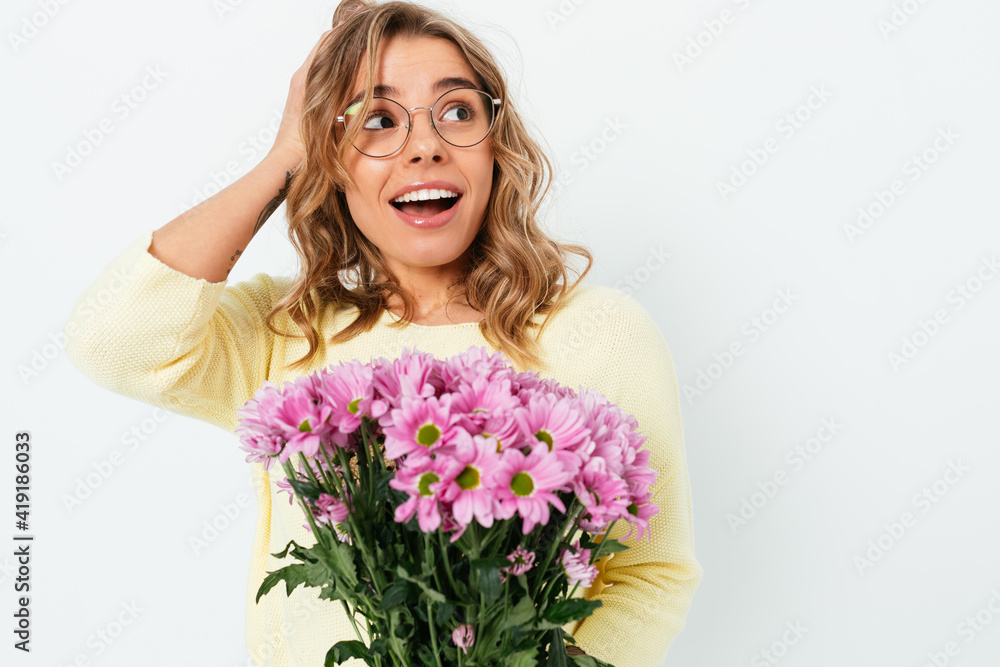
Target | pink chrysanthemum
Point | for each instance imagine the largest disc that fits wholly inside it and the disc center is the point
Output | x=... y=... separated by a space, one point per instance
x=285 y=487
x=522 y=559
x=638 y=514
x=560 y=424
x=526 y=485
x=477 y=400
x=576 y=564
x=464 y=637
x=638 y=475
x=329 y=509
x=472 y=462
x=603 y=493
x=419 y=427
x=422 y=478
x=303 y=415
x=352 y=395
x=474 y=363
x=412 y=375
x=260 y=436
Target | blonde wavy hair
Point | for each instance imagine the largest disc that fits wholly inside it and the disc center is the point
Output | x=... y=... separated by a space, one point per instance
x=514 y=269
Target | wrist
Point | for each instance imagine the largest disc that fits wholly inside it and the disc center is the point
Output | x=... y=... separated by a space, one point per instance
x=285 y=157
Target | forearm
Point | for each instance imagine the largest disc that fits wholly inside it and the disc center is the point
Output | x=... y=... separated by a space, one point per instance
x=207 y=240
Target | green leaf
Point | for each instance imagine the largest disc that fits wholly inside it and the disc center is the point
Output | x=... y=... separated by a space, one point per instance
x=345 y=650
x=486 y=575
x=395 y=595
x=292 y=575
x=332 y=593
x=284 y=552
x=318 y=573
x=379 y=646
x=522 y=659
x=444 y=612
x=557 y=649
x=523 y=612
x=611 y=547
x=572 y=609
x=434 y=595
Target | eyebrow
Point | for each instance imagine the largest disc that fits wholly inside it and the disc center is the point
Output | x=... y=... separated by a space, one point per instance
x=442 y=85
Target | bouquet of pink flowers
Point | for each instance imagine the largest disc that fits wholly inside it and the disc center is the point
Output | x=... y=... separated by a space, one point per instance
x=453 y=503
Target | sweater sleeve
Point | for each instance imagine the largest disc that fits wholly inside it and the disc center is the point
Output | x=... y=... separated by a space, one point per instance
x=647 y=589
x=152 y=333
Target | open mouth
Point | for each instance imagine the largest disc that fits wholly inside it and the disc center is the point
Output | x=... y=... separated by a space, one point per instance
x=427 y=208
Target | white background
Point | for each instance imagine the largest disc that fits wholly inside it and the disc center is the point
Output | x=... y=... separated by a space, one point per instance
x=683 y=127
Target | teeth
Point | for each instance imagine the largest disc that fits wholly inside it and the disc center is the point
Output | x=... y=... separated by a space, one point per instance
x=423 y=195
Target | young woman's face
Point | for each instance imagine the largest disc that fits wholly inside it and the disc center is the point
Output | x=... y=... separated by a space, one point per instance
x=417 y=69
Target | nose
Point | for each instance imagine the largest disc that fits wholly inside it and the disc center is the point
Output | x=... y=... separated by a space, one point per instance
x=423 y=140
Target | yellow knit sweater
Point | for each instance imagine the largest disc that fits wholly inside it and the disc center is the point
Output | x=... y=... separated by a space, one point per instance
x=201 y=349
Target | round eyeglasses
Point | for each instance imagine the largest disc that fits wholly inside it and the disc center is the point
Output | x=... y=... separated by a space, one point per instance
x=463 y=117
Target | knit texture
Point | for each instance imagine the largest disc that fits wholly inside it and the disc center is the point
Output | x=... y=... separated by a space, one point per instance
x=201 y=349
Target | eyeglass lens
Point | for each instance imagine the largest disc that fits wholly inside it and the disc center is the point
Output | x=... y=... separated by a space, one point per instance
x=462 y=117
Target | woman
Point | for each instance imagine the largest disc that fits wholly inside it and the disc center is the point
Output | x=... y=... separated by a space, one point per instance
x=412 y=188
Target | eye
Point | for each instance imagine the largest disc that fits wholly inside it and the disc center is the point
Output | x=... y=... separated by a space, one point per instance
x=379 y=121
x=458 y=113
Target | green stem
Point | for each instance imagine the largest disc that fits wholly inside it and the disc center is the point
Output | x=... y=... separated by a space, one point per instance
x=290 y=473
x=335 y=480
x=571 y=518
x=350 y=615
x=309 y=470
x=447 y=563
x=434 y=641
x=597 y=554
x=434 y=570
x=375 y=445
